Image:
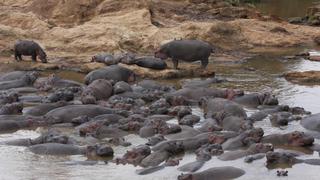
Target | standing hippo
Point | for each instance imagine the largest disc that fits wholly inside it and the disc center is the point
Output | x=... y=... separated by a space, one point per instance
x=186 y=50
x=113 y=73
x=29 y=48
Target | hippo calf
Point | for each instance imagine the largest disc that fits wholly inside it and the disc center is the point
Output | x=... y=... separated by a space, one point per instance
x=186 y=50
x=29 y=48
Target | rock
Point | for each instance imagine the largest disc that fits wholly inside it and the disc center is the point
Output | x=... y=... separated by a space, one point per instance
x=306 y=77
x=186 y=71
x=88 y=67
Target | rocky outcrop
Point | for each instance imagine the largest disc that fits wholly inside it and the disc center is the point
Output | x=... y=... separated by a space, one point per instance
x=307 y=77
x=78 y=29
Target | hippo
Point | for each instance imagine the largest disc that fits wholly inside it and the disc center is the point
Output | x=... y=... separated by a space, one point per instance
x=152 y=141
x=49 y=137
x=295 y=138
x=113 y=73
x=246 y=138
x=8 y=97
x=105 y=58
x=151 y=62
x=14 y=75
x=54 y=81
x=16 y=123
x=287 y=158
x=155 y=158
x=251 y=158
x=14 y=108
x=221 y=173
x=42 y=109
x=60 y=95
x=29 y=48
x=195 y=83
x=69 y=149
x=256 y=99
x=219 y=108
x=99 y=89
x=126 y=58
x=196 y=94
x=311 y=122
x=253 y=149
x=121 y=87
x=148 y=170
x=25 y=80
x=67 y=113
x=185 y=50
x=204 y=154
x=189 y=120
x=283 y=118
x=134 y=156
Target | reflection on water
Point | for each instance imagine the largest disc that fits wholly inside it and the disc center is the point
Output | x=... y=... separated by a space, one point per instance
x=262 y=73
x=285 y=8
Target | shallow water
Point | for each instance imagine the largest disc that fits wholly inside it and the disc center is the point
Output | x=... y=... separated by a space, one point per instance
x=19 y=163
x=285 y=8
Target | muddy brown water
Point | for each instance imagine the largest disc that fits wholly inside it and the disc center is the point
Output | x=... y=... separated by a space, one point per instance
x=261 y=73
x=285 y=8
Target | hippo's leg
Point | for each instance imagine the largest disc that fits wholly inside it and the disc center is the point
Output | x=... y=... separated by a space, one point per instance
x=204 y=63
x=34 y=57
x=17 y=56
x=175 y=63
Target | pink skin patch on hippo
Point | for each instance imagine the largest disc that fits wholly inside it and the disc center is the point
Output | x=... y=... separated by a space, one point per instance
x=160 y=55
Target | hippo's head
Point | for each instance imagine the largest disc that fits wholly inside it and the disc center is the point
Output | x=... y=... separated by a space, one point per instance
x=268 y=99
x=87 y=97
x=185 y=177
x=216 y=139
x=260 y=148
x=160 y=54
x=99 y=150
x=297 y=138
x=177 y=100
x=31 y=77
x=280 y=158
x=42 y=56
x=57 y=139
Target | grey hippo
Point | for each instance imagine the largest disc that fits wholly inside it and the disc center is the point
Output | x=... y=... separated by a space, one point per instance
x=113 y=73
x=29 y=48
x=185 y=50
x=221 y=173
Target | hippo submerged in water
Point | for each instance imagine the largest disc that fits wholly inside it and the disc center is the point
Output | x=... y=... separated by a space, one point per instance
x=185 y=50
x=29 y=48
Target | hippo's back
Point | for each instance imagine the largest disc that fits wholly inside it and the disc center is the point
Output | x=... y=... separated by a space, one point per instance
x=26 y=47
x=188 y=50
x=55 y=149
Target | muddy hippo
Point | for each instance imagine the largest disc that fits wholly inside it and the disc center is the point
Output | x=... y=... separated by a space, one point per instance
x=14 y=108
x=134 y=156
x=256 y=99
x=114 y=73
x=246 y=138
x=185 y=50
x=287 y=158
x=99 y=89
x=126 y=58
x=295 y=138
x=8 y=97
x=196 y=94
x=221 y=173
x=54 y=81
x=105 y=58
x=152 y=63
x=43 y=109
x=29 y=48
x=67 y=113
x=195 y=83
x=121 y=87
x=68 y=149
x=25 y=80
x=253 y=149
